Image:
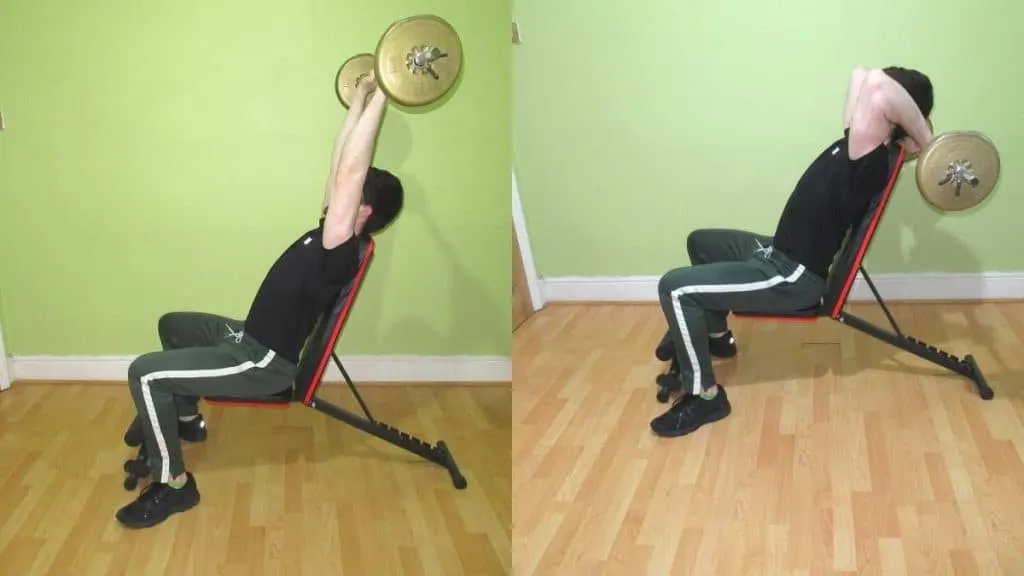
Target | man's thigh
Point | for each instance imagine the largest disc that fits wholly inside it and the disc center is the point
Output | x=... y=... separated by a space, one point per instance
x=227 y=369
x=750 y=285
x=189 y=329
x=709 y=245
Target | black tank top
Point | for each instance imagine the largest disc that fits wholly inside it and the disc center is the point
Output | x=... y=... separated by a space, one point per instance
x=301 y=284
x=830 y=197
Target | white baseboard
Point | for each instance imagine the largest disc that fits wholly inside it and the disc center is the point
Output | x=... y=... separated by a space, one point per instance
x=894 y=287
x=362 y=369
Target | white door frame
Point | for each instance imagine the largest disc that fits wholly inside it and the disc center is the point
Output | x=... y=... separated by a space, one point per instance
x=519 y=222
x=5 y=372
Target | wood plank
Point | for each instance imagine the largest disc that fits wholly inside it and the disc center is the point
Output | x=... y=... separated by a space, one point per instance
x=842 y=455
x=289 y=492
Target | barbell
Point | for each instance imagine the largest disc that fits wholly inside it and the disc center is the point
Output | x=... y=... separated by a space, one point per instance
x=417 y=60
x=957 y=170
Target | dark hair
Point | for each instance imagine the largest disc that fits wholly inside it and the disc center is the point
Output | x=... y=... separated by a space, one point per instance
x=383 y=192
x=918 y=86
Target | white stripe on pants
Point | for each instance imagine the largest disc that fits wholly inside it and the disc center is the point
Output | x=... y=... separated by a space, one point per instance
x=691 y=352
x=165 y=462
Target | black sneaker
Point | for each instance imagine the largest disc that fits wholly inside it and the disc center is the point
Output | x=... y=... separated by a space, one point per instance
x=192 y=431
x=691 y=412
x=158 y=502
x=722 y=347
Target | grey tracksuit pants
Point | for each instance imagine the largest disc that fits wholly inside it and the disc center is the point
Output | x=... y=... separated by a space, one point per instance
x=203 y=355
x=732 y=270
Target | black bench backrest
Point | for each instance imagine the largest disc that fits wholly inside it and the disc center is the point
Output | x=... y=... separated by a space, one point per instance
x=316 y=354
x=849 y=259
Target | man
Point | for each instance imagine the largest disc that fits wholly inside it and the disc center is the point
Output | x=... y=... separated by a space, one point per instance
x=208 y=355
x=737 y=270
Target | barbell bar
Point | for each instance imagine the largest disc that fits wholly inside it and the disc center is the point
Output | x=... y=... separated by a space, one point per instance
x=417 y=61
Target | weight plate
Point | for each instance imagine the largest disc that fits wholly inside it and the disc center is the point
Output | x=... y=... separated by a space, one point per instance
x=351 y=72
x=958 y=170
x=418 y=60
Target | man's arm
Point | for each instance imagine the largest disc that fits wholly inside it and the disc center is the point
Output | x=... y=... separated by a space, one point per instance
x=853 y=93
x=899 y=108
x=355 y=110
x=347 y=187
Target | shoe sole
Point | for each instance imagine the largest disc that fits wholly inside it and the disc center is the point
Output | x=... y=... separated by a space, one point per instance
x=156 y=521
x=691 y=429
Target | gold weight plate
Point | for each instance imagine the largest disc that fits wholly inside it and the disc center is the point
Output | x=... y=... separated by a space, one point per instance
x=958 y=170
x=351 y=72
x=418 y=60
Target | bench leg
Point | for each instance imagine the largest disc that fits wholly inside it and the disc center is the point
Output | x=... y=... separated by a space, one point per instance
x=966 y=366
x=438 y=454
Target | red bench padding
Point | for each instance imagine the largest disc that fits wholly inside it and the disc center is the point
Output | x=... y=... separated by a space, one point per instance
x=844 y=273
x=318 y=351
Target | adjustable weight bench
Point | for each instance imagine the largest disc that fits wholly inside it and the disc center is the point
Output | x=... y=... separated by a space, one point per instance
x=316 y=355
x=842 y=274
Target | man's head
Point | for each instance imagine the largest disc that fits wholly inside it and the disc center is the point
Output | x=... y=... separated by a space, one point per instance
x=382 y=201
x=918 y=86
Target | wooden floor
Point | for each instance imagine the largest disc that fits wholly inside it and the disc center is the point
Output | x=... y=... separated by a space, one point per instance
x=842 y=455
x=283 y=492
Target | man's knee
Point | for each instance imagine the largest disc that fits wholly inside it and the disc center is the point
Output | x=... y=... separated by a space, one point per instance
x=165 y=322
x=664 y=284
x=672 y=281
x=695 y=241
x=165 y=326
x=139 y=367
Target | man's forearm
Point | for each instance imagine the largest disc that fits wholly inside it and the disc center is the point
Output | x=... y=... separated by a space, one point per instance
x=902 y=110
x=351 y=119
x=355 y=111
x=357 y=152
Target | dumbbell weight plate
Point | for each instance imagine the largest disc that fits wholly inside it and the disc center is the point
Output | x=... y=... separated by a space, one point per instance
x=351 y=72
x=958 y=170
x=418 y=59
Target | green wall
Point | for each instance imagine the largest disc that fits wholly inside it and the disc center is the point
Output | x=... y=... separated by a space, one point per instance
x=159 y=157
x=636 y=122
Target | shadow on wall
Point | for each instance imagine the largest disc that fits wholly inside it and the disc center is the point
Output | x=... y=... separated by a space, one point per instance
x=912 y=228
x=470 y=304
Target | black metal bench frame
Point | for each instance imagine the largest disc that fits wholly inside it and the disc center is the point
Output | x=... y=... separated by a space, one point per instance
x=848 y=263
x=316 y=357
